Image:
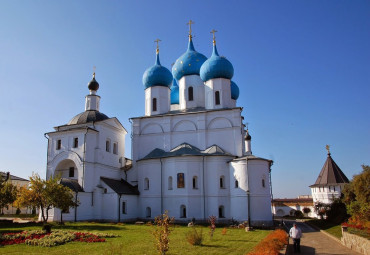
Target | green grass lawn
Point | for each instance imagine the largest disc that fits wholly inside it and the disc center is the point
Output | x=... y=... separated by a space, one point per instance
x=331 y=228
x=137 y=239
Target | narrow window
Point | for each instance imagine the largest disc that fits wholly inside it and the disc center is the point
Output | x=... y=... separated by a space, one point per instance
x=222 y=182
x=75 y=142
x=183 y=211
x=154 y=104
x=236 y=184
x=334 y=188
x=115 y=148
x=263 y=183
x=180 y=180
x=217 y=97
x=195 y=182
x=170 y=182
x=124 y=207
x=221 y=213
x=71 y=172
x=190 y=92
x=107 y=145
x=59 y=144
x=146 y=184
x=148 y=212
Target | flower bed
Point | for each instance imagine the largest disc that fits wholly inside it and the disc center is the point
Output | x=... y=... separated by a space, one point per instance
x=272 y=243
x=57 y=237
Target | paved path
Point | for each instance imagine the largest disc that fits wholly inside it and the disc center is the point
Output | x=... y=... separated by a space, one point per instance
x=315 y=242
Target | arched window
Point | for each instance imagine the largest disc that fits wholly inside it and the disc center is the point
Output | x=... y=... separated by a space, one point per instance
x=146 y=183
x=263 y=183
x=148 y=212
x=190 y=94
x=115 y=148
x=195 y=182
x=221 y=213
x=182 y=211
x=217 y=97
x=222 y=182
x=170 y=182
x=154 y=104
x=236 y=184
x=107 y=145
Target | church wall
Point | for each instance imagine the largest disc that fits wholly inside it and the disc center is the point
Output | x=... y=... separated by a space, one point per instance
x=202 y=130
x=221 y=85
x=238 y=196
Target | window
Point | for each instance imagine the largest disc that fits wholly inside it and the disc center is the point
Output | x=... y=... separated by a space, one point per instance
x=182 y=211
x=222 y=182
x=195 y=182
x=146 y=183
x=75 y=142
x=334 y=188
x=236 y=184
x=148 y=212
x=180 y=180
x=124 y=207
x=59 y=144
x=217 y=97
x=107 y=145
x=221 y=213
x=154 y=104
x=115 y=148
x=263 y=183
x=170 y=182
x=190 y=94
x=71 y=172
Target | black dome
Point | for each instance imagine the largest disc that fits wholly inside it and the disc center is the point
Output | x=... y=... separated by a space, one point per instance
x=88 y=116
x=93 y=84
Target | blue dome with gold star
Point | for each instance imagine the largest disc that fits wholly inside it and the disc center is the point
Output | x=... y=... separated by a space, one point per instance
x=174 y=92
x=189 y=63
x=216 y=67
x=234 y=90
x=157 y=75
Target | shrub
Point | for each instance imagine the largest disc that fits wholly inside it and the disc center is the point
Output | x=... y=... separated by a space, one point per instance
x=194 y=237
x=162 y=232
x=212 y=226
x=298 y=214
x=224 y=231
x=18 y=211
x=272 y=243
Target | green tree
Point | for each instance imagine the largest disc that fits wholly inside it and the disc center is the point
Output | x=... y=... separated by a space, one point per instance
x=8 y=194
x=357 y=195
x=46 y=194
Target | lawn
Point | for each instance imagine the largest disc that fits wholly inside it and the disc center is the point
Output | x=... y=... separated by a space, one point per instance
x=137 y=239
x=331 y=228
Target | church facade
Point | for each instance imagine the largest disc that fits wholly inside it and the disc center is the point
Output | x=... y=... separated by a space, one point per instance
x=191 y=154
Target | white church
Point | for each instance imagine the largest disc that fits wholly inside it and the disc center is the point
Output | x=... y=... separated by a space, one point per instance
x=191 y=154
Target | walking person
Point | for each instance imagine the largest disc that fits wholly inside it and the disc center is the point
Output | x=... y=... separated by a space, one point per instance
x=295 y=233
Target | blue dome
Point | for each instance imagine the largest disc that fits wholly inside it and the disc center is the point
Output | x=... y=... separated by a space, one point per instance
x=174 y=93
x=216 y=67
x=157 y=75
x=234 y=90
x=189 y=63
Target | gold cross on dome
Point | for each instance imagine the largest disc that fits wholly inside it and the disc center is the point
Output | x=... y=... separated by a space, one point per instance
x=157 y=41
x=327 y=148
x=190 y=23
x=214 y=36
x=94 y=69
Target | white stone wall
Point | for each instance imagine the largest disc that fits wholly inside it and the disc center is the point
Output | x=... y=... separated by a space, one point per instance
x=325 y=194
x=162 y=95
x=223 y=86
x=198 y=92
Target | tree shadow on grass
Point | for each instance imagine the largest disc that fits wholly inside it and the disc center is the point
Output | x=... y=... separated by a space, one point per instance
x=213 y=246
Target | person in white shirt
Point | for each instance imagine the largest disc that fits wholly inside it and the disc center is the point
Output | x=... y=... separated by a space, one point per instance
x=296 y=233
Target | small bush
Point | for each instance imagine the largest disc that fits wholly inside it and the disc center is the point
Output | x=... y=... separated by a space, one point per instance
x=212 y=226
x=18 y=211
x=194 y=237
x=272 y=243
x=224 y=231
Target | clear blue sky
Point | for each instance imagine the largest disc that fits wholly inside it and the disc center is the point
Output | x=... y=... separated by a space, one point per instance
x=303 y=68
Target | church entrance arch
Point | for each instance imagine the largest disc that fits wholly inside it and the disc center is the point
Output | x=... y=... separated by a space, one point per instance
x=66 y=169
x=280 y=212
